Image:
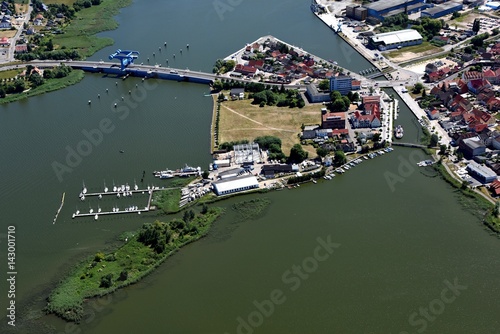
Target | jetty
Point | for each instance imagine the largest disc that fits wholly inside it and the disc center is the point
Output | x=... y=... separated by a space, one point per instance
x=60 y=208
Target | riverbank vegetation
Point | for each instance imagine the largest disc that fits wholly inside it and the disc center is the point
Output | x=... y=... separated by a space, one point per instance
x=73 y=36
x=251 y=209
x=142 y=252
x=472 y=201
x=35 y=84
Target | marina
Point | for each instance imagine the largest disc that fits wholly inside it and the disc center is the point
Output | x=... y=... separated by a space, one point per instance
x=120 y=191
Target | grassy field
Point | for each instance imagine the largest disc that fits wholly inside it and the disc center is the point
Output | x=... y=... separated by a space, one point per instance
x=65 y=2
x=404 y=53
x=49 y=86
x=242 y=120
x=7 y=33
x=9 y=74
x=79 y=34
x=134 y=257
x=167 y=200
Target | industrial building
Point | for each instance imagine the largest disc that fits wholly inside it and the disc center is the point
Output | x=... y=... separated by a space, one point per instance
x=395 y=39
x=356 y=12
x=386 y=8
x=493 y=5
x=234 y=185
x=245 y=153
x=481 y=173
x=442 y=10
x=341 y=83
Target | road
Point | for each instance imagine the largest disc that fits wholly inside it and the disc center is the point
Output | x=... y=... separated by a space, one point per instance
x=12 y=48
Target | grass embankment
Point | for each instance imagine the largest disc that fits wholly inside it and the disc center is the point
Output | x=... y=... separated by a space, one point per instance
x=144 y=251
x=80 y=33
x=242 y=120
x=50 y=85
x=473 y=201
x=168 y=200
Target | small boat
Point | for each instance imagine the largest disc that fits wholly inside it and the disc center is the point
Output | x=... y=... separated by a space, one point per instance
x=122 y=151
x=84 y=189
x=399 y=132
x=82 y=198
x=96 y=216
x=127 y=187
x=114 y=187
x=105 y=188
x=100 y=196
x=136 y=187
x=91 y=210
x=314 y=181
x=118 y=195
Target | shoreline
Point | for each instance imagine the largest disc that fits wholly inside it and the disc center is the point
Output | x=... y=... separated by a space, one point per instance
x=63 y=301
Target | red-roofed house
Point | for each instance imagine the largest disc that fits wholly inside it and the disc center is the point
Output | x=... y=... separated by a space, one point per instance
x=245 y=70
x=4 y=41
x=476 y=85
x=333 y=120
x=472 y=75
x=365 y=121
x=433 y=113
x=256 y=63
x=495 y=188
x=491 y=76
x=493 y=104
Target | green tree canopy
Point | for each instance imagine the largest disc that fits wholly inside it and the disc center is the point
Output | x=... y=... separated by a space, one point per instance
x=297 y=154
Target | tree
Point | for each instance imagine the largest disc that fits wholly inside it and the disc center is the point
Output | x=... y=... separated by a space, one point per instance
x=418 y=88
x=321 y=152
x=297 y=154
x=476 y=26
x=442 y=149
x=376 y=137
x=455 y=15
x=204 y=209
x=424 y=94
x=340 y=158
x=106 y=281
x=217 y=85
x=434 y=140
x=36 y=79
x=123 y=275
x=205 y=174
x=324 y=84
x=338 y=105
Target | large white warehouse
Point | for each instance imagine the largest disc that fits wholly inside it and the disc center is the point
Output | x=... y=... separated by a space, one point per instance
x=234 y=185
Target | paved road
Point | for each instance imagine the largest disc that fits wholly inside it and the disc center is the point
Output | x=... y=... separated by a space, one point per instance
x=10 y=51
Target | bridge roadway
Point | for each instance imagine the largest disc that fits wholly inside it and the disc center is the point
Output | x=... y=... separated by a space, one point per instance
x=169 y=73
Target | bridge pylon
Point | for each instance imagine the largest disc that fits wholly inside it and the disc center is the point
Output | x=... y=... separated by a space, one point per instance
x=126 y=57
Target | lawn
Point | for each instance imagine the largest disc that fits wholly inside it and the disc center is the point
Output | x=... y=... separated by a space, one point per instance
x=65 y=2
x=7 y=33
x=413 y=51
x=242 y=120
x=9 y=74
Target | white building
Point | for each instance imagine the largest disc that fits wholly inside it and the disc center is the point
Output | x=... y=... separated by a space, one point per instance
x=396 y=39
x=234 y=185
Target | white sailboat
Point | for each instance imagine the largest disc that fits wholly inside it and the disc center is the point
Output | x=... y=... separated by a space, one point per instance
x=105 y=188
x=84 y=189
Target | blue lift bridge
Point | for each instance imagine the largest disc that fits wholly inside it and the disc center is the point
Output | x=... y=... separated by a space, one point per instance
x=126 y=57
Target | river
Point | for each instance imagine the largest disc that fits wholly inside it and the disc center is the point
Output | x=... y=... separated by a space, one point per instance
x=401 y=234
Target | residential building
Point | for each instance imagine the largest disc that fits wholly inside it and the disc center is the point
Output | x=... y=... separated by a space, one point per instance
x=472 y=147
x=333 y=120
x=309 y=131
x=341 y=83
x=359 y=120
